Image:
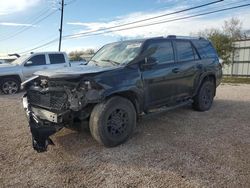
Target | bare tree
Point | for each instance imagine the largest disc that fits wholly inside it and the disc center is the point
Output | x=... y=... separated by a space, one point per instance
x=78 y=55
x=233 y=28
x=223 y=38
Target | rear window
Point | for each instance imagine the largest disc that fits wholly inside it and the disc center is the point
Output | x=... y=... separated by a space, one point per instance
x=56 y=58
x=205 y=49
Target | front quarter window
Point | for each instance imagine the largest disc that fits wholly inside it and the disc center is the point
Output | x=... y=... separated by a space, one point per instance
x=116 y=54
x=36 y=60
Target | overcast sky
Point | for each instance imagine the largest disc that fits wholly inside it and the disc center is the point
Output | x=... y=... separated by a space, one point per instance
x=21 y=28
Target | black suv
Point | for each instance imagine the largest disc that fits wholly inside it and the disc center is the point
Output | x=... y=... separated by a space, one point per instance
x=121 y=82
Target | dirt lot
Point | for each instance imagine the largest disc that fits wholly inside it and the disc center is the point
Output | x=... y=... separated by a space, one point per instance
x=179 y=148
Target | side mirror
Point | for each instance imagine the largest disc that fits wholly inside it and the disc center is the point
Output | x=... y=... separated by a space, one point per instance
x=28 y=63
x=150 y=61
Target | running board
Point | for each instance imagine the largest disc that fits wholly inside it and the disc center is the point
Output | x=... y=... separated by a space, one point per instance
x=165 y=108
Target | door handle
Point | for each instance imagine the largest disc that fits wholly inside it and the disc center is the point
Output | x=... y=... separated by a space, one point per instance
x=175 y=70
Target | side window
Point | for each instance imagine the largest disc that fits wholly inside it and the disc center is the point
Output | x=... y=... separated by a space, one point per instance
x=56 y=58
x=162 y=52
x=205 y=49
x=36 y=60
x=184 y=51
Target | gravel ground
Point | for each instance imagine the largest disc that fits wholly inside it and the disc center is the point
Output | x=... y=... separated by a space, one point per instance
x=178 y=148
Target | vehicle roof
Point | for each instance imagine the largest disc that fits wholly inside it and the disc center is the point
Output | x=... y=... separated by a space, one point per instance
x=162 y=37
x=47 y=52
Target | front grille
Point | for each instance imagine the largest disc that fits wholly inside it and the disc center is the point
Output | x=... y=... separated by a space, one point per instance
x=51 y=100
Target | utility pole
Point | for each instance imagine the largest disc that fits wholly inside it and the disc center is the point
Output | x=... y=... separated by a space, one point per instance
x=61 y=26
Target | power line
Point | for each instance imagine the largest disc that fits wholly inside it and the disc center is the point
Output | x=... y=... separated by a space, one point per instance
x=27 y=28
x=176 y=12
x=151 y=18
x=51 y=37
x=145 y=25
x=43 y=11
x=156 y=23
x=70 y=2
x=43 y=45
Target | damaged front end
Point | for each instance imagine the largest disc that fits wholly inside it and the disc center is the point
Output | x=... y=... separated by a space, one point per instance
x=52 y=104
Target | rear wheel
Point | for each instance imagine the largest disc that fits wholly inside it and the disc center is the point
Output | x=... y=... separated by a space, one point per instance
x=113 y=121
x=205 y=96
x=10 y=86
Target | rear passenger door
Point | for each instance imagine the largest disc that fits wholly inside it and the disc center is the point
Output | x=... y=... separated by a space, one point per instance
x=56 y=61
x=187 y=72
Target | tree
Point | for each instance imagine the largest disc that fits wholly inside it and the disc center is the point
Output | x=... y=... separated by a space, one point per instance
x=233 y=28
x=222 y=39
x=79 y=55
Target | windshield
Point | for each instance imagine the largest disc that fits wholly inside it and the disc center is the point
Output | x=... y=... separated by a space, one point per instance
x=116 y=54
x=20 y=60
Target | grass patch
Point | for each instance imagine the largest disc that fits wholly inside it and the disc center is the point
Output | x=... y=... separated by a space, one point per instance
x=236 y=80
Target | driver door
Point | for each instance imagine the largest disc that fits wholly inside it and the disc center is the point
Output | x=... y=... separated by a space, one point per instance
x=34 y=64
x=158 y=76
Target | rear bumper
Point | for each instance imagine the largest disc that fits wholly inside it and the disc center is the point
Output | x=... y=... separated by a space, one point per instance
x=42 y=125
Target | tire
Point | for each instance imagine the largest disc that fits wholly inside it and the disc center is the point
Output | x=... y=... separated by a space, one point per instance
x=10 y=86
x=113 y=121
x=205 y=96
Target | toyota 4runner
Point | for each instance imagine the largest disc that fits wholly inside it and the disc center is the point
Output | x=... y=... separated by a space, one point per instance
x=123 y=81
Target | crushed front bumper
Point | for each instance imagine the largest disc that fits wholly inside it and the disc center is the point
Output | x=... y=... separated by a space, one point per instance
x=42 y=125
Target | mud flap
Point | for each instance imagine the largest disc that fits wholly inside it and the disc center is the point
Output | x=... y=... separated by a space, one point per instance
x=41 y=133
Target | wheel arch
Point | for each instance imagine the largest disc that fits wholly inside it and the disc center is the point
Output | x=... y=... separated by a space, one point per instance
x=15 y=76
x=132 y=96
x=206 y=77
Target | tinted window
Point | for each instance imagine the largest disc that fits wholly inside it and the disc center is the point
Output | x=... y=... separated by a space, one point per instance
x=205 y=49
x=162 y=52
x=56 y=58
x=184 y=51
x=37 y=60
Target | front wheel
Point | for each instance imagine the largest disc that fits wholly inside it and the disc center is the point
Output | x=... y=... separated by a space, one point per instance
x=10 y=86
x=113 y=121
x=205 y=96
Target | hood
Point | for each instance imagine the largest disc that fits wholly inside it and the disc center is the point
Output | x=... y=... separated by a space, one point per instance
x=74 y=71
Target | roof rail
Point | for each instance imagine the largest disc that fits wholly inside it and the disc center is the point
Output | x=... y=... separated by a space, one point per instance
x=184 y=37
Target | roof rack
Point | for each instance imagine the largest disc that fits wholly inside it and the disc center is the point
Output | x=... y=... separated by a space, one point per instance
x=184 y=37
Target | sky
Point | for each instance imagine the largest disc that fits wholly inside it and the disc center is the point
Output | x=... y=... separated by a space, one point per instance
x=26 y=24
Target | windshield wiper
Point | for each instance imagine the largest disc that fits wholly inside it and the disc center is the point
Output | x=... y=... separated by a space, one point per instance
x=95 y=62
x=111 y=61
